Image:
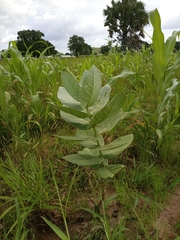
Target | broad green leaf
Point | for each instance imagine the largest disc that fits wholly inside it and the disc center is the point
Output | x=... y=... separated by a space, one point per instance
x=109 y=170
x=97 y=84
x=80 y=123
x=67 y=100
x=109 y=111
x=74 y=112
x=125 y=73
x=102 y=100
x=91 y=86
x=89 y=153
x=117 y=146
x=85 y=133
x=86 y=141
x=57 y=230
x=85 y=73
x=90 y=141
x=83 y=161
x=159 y=49
x=71 y=85
x=109 y=123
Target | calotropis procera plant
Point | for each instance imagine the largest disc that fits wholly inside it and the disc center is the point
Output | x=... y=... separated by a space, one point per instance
x=87 y=106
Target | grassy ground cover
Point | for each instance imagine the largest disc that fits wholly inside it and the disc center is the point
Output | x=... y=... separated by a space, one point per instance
x=39 y=189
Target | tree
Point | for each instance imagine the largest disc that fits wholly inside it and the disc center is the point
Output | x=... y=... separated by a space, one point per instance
x=77 y=46
x=105 y=49
x=87 y=49
x=125 y=20
x=33 y=41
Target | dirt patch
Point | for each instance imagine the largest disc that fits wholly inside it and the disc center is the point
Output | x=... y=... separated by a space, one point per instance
x=169 y=217
x=81 y=224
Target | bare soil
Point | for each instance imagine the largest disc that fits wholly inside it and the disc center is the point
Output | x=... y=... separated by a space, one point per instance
x=81 y=227
x=169 y=218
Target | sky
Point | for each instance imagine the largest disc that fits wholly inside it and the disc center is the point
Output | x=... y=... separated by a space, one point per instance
x=61 y=19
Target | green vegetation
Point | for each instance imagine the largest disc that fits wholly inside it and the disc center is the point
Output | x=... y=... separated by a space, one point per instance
x=33 y=42
x=121 y=115
x=125 y=21
x=77 y=46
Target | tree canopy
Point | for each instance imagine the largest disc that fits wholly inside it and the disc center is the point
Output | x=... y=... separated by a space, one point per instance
x=125 y=20
x=77 y=46
x=33 y=41
x=105 y=49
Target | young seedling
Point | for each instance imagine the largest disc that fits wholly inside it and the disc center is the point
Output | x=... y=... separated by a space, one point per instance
x=87 y=106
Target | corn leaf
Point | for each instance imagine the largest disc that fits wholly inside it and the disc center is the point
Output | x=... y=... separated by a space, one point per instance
x=170 y=71
x=125 y=73
x=159 y=52
x=169 y=47
x=169 y=94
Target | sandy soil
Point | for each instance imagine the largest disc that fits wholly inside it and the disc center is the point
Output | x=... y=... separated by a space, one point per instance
x=169 y=217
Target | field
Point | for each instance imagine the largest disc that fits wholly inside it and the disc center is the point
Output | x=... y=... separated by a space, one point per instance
x=89 y=147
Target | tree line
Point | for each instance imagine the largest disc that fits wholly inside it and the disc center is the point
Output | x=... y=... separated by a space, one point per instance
x=125 y=20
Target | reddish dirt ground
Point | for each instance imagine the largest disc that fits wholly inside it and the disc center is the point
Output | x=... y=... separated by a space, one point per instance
x=166 y=224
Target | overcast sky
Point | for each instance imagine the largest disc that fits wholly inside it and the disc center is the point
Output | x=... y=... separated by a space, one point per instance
x=61 y=19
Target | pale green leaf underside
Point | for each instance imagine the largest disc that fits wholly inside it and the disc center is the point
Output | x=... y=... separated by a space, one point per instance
x=74 y=112
x=71 y=85
x=91 y=86
x=67 y=100
x=80 y=123
x=91 y=141
x=109 y=111
x=83 y=161
x=102 y=99
x=117 y=146
x=109 y=170
x=89 y=153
